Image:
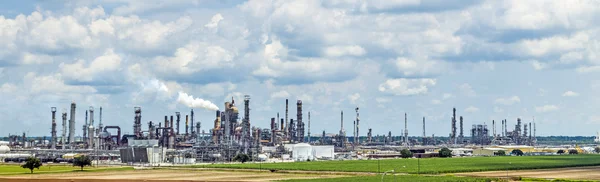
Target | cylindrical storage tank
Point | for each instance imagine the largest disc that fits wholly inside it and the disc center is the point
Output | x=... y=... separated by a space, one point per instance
x=302 y=152
x=15 y=155
x=4 y=149
x=262 y=157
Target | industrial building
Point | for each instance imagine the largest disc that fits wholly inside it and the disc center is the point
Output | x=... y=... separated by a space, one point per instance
x=154 y=142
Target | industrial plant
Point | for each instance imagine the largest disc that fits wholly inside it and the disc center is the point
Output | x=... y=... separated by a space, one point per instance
x=288 y=139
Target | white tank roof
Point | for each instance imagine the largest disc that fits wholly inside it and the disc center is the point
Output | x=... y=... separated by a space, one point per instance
x=4 y=149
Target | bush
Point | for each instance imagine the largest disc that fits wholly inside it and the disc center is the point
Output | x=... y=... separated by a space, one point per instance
x=573 y=151
x=445 y=152
x=500 y=153
x=241 y=158
x=560 y=152
x=82 y=161
x=517 y=152
x=405 y=153
x=32 y=163
x=597 y=149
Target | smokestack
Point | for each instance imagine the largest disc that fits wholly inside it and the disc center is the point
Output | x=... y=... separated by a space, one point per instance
x=187 y=124
x=273 y=129
x=137 y=124
x=85 y=128
x=166 y=121
x=405 y=129
x=494 y=126
x=424 y=128
x=178 y=116
x=72 y=124
x=505 y=127
x=299 y=123
x=453 y=131
x=342 y=122
x=100 y=126
x=502 y=131
x=354 y=132
x=461 y=128
x=171 y=122
x=309 y=127
x=192 y=121
x=53 y=131
x=91 y=129
x=357 y=128
x=282 y=125
x=286 y=119
x=63 y=137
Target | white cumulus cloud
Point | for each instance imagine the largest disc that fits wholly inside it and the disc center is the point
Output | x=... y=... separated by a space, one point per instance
x=337 y=51
x=471 y=109
x=508 y=100
x=403 y=86
x=570 y=94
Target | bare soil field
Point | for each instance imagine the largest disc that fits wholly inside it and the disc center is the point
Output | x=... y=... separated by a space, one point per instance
x=573 y=173
x=160 y=176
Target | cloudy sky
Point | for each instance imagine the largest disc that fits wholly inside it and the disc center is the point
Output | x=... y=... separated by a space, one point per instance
x=492 y=60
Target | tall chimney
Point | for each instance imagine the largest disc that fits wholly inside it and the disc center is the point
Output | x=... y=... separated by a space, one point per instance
x=100 y=125
x=166 y=121
x=177 y=117
x=72 y=125
x=357 y=128
x=187 y=124
x=461 y=128
x=85 y=127
x=424 y=128
x=309 y=127
x=494 y=126
x=63 y=137
x=53 y=132
x=286 y=120
x=171 y=122
x=91 y=129
x=342 y=122
x=405 y=129
x=192 y=121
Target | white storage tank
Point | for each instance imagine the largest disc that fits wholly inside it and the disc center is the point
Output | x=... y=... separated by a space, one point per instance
x=262 y=157
x=4 y=149
x=302 y=152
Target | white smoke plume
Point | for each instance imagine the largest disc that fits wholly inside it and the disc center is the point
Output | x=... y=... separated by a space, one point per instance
x=192 y=102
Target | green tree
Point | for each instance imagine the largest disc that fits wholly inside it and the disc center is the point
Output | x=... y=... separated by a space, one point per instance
x=241 y=158
x=597 y=149
x=445 y=152
x=82 y=161
x=517 y=152
x=573 y=151
x=501 y=153
x=560 y=152
x=405 y=153
x=32 y=163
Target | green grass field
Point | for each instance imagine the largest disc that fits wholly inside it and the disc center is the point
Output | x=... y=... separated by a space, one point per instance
x=16 y=169
x=400 y=178
x=428 y=165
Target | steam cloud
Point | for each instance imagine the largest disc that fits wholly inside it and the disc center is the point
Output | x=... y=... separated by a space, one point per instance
x=192 y=102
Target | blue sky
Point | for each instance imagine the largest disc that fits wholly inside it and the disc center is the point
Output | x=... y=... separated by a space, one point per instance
x=492 y=60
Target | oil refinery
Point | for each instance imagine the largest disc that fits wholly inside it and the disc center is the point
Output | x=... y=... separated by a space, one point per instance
x=180 y=139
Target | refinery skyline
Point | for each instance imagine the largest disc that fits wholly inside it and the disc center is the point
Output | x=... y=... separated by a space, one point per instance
x=480 y=57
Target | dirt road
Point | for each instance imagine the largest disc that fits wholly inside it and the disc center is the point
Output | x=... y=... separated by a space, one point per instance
x=160 y=176
x=575 y=173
